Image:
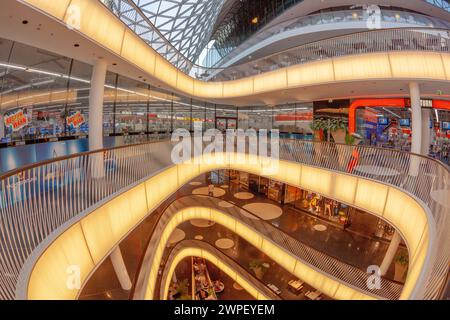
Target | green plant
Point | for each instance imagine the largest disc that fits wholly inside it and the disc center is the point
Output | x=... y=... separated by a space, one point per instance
x=258 y=267
x=318 y=124
x=349 y=139
x=183 y=288
x=255 y=264
x=402 y=258
x=329 y=124
x=336 y=124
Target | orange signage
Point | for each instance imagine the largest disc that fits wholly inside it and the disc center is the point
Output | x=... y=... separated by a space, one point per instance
x=75 y=120
x=16 y=120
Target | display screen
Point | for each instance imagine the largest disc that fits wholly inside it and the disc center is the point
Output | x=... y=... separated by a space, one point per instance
x=383 y=121
x=445 y=125
x=405 y=122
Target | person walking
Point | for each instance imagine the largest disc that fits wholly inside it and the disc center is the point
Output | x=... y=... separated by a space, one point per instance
x=211 y=190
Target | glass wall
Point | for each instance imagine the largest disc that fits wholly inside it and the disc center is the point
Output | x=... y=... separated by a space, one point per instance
x=45 y=97
x=210 y=122
x=290 y=118
x=160 y=111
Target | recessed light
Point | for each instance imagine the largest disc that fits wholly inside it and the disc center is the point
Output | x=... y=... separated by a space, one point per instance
x=25 y=21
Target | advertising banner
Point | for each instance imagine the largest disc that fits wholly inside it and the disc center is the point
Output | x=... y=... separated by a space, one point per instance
x=16 y=120
x=75 y=120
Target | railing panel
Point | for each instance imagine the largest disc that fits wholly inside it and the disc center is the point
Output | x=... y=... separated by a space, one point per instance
x=38 y=199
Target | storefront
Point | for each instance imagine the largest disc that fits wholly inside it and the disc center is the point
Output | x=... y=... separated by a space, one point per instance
x=386 y=123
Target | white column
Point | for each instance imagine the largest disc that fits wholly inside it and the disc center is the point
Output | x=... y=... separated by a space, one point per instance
x=2 y=127
x=120 y=269
x=426 y=131
x=174 y=277
x=96 y=116
x=416 y=127
x=390 y=253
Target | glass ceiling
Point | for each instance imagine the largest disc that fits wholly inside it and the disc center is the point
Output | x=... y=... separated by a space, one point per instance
x=187 y=24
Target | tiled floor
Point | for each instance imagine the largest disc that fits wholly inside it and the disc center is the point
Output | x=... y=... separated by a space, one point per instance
x=349 y=246
x=353 y=246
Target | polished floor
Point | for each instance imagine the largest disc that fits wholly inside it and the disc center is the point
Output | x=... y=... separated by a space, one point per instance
x=351 y=246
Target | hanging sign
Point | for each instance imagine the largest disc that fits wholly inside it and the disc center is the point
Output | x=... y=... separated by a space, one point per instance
x=75 y=120
x=16 y=120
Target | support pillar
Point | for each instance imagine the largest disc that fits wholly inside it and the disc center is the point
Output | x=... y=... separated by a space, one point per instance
x=2 y=127
x=96 y=116
x=120 y=269
x=426 y=131
x=174 y=277
x=416 y=127
x=390 y=253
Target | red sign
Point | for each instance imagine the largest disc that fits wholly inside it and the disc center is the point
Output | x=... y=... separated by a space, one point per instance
x=75 y=120
x=16 y=120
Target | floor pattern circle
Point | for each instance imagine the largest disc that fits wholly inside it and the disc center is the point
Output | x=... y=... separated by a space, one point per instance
x=265 y=211
x=224 y=243
x=244 y=195
x=201 y=223
x=218 y=192
x=320 y=227
x=225 y=204
x=176 y=236
x=237 y=287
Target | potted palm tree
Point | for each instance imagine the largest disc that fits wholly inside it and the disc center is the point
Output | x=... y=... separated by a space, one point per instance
x=338 y=129
x=182 y=290
x=401 y=266
x=258 y=267
x=318 y=126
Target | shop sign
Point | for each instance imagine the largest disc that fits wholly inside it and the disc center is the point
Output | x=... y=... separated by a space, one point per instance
x=16 y=120
x=75 y=120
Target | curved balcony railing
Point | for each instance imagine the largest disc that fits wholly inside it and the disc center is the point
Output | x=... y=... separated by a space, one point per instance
x=392 y=17
x=384 y=40
x=318 y=260
x=38 y=200
x=235 y=266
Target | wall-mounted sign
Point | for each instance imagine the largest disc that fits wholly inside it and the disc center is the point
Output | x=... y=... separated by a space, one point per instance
x=16 y=120
x=75 y=120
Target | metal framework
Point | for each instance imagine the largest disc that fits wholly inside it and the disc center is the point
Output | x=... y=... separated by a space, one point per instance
x=186 y=25
x=443 y=4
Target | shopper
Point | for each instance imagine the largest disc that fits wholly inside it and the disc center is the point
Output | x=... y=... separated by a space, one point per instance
x=211 y=190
